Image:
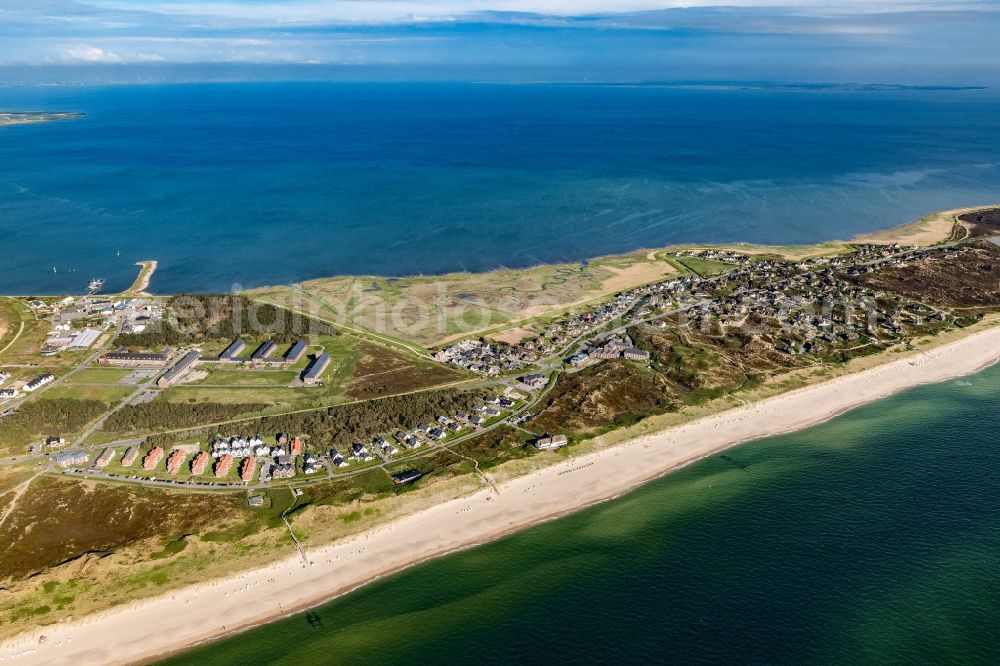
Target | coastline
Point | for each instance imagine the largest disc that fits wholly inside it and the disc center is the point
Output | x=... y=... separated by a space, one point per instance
x=921 y=232
x=141 y=283
x=193 y=615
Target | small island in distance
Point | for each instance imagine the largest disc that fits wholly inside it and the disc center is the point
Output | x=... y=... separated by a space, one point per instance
x=33 y=117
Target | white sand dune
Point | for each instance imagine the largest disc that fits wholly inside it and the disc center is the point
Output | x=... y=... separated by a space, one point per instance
x=149 y=628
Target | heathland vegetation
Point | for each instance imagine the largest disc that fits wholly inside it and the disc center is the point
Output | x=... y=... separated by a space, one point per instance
x=757 y=326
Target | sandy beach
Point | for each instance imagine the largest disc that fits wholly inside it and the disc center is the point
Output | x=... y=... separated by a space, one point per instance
x=141 y=283
x=154 y=627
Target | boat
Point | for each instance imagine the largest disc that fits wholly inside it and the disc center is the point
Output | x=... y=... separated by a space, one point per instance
x=95 y=286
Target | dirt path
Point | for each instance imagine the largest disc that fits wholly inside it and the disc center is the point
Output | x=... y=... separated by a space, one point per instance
x=18 y=491
x=3 y=332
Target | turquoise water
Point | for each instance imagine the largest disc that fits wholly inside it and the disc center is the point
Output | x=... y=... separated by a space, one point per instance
x=872 y=538
x=248 y=184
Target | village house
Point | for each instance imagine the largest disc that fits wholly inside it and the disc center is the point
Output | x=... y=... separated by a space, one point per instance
x=551 y=442
x=535 y=381
x=248 y=468
x=38 y=382
x=72 y=458
x=175 y=461
x=337 y=458
x=200 y=463
x=284 y=467
x=131 y=454
x=104 y=459
x=223 y=466
x=152 y=458
x=635 y=354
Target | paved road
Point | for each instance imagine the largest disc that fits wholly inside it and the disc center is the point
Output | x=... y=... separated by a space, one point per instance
x=553 y=363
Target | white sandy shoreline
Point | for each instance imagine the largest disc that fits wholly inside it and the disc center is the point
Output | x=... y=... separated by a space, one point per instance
x=150 y=628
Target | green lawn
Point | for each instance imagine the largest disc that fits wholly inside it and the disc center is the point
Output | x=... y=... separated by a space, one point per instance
x=99 y=376
x=108 y=394
x=232 y=376
x=704 y=267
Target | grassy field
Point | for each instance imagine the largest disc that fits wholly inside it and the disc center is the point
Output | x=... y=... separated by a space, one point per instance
x=704 y=267
x=432 y=310
x=358 y=370
x=108 y=394
x=223 y=376
x=22 y=335
x=100 y=375
x=10 y=321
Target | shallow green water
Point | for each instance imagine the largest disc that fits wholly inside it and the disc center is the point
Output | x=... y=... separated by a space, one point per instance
x=874 y=537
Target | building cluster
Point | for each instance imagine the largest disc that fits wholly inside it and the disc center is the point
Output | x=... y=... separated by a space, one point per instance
x=62 y=338
x=263 y=355
x=615 y=347
x=755 y=287
x=77 y=323
x=818 y=304
x=496 y=358
x=250 y=456
x=444 y=426
x=278 y=460
x=182 y=367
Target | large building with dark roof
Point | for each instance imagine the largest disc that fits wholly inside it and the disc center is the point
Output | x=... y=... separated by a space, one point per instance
x=265 y=350
x=295 y=352
x=233 y=350
x=177 y=371
x=135 y=359
x=316 y=369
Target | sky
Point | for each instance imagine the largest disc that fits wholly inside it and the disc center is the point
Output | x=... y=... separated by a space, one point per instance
x=917 y=42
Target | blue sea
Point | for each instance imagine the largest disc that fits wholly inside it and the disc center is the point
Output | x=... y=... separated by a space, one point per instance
x=873 y=538
x=241 y=185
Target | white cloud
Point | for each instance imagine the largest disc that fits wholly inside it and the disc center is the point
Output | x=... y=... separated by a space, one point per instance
x=88 y=53
x=391 y=11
